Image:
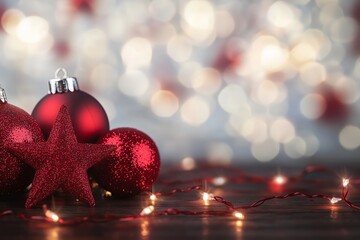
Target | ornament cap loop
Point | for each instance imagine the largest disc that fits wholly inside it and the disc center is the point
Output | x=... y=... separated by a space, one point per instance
x=62 y=84
x=3 y=97
x=63 y=70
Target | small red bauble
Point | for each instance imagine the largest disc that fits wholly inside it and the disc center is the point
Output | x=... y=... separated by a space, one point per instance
x=88 y=116
x=132 y=167
x=16 y=126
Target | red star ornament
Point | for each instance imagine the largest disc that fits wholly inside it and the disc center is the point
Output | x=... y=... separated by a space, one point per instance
x=60 y=162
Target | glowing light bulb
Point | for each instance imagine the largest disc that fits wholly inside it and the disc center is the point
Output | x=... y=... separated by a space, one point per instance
x=106 y=194
x=345 y=182
x=94 y=185
x=239 y=215
x=148 y=210
x=334 y=200
x=208 y=196
x=279 y=179
x=50 y=214
x=153 y=197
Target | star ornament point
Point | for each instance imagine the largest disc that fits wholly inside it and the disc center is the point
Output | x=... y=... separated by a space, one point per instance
x=60 y=162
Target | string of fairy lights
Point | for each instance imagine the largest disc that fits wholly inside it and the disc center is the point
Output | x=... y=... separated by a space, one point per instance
x=231 y=209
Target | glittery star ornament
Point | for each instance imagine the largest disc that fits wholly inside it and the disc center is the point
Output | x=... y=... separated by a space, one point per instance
x=132 y=167
x=60 y=162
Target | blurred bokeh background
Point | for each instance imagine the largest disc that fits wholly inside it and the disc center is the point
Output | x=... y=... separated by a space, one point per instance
x=227 y=80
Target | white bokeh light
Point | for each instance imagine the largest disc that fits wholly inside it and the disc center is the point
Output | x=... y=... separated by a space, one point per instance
x=265 y=151
x=195 y=111
x=282 y=130
x=164 y=103
x=349 y=137
x=281 y=14
x=199 y=17
x=296 y=148
x=133 y=83
x=233 y=99
x=137 y=52
x=312 y=106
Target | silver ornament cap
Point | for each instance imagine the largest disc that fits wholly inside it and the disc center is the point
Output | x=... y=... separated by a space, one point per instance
x=3 y=97
x=62 y=83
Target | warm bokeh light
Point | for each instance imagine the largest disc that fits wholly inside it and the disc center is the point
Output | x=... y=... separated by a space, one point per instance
x=195 y=111
x=349 y=137
x=199 y=19
x=164 y=103
x=227 y=81
x=136 y=53
x=233 y=99
x=312 y=106
x=133 y=83
x=282 y=130
x=188 y=163
x=11 y=19
x=179 y=48
x=296 y=148
x=265 y=151
x=267 y=93
x=224 y=24
x=273 y=57
x=255 y=130
x=206 y=81
x=94 y=44
x=162 y=10
x=313 y=73
x=281 y=14
x=219 y=153
x=343 y=29
x=303 y=52
x=32 y=29
x=219 y=181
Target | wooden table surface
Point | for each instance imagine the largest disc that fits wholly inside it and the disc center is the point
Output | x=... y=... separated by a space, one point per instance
x=295 y=218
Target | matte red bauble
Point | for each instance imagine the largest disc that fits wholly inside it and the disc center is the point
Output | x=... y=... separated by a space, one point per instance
x=132 y=167
x=87 y=115
x=16 y=126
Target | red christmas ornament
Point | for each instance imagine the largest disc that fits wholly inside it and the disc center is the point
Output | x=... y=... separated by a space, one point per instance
x=62 y=48
x=333 y=108
x=83 y=5
x=2 y=11
x=230 y=57
x=132 y=167
x=88 y=116
x=17 y=126
x=61 y=162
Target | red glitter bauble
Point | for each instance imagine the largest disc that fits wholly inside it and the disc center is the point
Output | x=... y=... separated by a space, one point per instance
x=132 y=167
x=87 y=115
x=16 y=126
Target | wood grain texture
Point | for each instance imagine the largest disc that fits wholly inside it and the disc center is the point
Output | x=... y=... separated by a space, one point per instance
x=295 y=218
